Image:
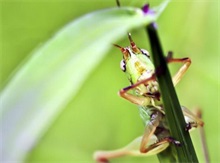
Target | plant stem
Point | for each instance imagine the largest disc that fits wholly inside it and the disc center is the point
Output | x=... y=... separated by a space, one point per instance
x=174 y=115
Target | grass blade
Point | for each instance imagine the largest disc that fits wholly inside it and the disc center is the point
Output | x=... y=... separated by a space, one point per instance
x=174 y=115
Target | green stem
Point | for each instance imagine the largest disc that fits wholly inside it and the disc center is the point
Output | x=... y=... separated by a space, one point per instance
x=174 y=115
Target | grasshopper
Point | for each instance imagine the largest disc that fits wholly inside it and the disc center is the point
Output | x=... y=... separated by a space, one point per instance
x=144 y=92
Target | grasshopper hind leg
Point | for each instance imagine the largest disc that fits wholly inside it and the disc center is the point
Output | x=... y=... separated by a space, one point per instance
x=133 y=149
x=146 y=145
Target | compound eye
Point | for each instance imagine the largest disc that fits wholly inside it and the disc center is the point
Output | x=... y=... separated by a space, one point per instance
x=145 y=52
x=122 y=65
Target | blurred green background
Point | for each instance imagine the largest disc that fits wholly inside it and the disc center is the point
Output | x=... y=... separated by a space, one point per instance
x=97 y=118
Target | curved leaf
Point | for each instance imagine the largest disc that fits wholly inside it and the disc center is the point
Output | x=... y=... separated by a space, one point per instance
x=43 y=86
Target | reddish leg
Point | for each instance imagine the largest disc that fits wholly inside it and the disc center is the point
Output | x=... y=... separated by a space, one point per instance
x=186 y=63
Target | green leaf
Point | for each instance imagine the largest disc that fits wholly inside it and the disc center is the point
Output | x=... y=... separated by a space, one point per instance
x=55 y=72
x=174 y=114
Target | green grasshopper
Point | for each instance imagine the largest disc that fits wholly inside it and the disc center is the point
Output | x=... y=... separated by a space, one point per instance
x=140 y=71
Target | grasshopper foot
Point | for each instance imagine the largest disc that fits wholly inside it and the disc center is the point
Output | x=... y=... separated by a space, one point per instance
x=172 y=140
x=190 y=125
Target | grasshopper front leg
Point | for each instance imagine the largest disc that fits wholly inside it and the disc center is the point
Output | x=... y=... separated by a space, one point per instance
x=178 y=76
x=135 y=99
x=141 y=100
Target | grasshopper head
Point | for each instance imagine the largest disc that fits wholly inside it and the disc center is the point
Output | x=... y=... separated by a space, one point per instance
x=136 y=62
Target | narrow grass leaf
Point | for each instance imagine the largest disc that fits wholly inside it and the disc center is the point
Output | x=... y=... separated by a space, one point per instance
x=174 y=115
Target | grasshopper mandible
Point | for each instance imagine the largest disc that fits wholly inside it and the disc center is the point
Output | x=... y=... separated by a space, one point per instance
x=140 y=71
